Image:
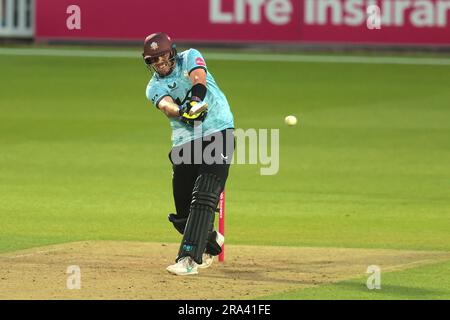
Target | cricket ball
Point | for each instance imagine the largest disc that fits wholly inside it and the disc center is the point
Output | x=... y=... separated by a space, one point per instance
x=290 y=120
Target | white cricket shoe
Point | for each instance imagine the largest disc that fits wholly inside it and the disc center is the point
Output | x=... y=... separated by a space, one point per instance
x=207 y=258
x=184 y=267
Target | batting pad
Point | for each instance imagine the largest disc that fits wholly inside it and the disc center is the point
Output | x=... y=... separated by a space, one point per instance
x=205 y=197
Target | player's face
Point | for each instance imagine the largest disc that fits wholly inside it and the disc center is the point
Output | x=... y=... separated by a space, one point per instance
x=162 y=64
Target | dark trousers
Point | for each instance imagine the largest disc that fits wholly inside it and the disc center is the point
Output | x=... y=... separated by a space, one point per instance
x=185 y=174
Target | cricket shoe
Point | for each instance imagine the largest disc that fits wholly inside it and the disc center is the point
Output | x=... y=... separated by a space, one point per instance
x=184 y=267
x=207 y=258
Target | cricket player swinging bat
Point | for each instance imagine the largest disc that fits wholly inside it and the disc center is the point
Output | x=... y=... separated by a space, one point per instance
x=185 y=91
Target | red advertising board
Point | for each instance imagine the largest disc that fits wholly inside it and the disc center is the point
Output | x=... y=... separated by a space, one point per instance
x=421 y=22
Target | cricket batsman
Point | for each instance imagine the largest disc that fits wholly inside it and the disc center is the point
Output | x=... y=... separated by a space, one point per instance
x=202 y=146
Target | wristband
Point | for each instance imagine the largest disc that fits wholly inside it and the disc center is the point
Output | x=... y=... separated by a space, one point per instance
x=199 y=91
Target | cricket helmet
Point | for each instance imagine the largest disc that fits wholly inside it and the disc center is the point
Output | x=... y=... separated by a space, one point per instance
x=156 y=45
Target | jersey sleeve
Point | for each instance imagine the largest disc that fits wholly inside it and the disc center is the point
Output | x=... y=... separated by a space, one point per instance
x=195 y=60
x=155 y=94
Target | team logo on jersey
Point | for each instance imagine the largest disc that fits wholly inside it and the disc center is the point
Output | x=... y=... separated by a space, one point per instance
x=172 y=86
x=200 y=62
x=154 y=46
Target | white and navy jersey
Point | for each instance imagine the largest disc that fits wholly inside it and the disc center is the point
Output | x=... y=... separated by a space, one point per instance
x=178 y=85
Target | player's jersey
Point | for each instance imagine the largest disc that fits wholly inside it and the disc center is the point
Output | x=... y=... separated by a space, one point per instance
x=177 y=85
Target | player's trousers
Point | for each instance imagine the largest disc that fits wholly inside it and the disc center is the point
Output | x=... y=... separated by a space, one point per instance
x=210 y=154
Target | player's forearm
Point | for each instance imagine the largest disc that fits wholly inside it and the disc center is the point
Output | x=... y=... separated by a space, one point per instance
x=198 y=79
x=170 y=109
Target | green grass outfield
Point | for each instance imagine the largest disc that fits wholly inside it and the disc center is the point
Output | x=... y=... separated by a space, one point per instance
x=84 y=157
x=422 y=283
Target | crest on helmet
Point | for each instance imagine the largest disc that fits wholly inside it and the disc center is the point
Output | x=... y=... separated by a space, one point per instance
x=154 y=46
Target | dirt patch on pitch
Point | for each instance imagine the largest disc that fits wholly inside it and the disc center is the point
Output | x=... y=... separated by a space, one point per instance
x=136 y=270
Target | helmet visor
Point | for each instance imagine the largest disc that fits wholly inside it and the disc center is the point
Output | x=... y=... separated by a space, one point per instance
x=149 y=60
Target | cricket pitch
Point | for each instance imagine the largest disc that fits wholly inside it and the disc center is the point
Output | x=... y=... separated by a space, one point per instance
x=136 y=270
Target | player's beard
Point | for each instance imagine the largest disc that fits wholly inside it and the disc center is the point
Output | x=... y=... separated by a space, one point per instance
x=164 y=68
